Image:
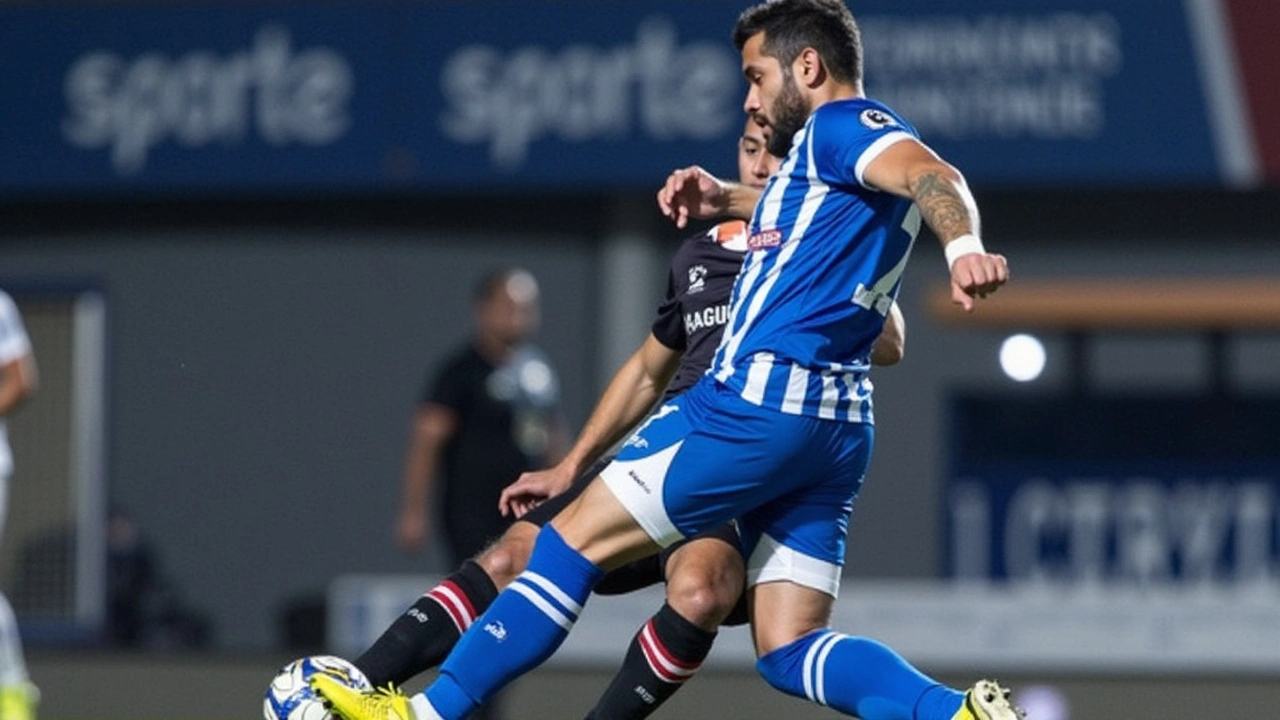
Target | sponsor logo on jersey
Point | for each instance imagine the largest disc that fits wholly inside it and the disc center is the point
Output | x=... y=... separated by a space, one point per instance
x=764 y=239
x=876 y=119
x=496 y=629
x=697 y=279
x=711 y=317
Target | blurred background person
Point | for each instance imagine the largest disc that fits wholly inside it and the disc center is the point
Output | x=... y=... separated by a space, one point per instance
x=18 y=696
x=145 y=609
x=488 y=414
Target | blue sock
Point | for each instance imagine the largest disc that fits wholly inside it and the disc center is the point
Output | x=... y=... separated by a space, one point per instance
x=521 y=629
x=857 y=676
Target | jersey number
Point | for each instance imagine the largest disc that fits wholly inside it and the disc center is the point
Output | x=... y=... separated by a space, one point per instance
x=877 y=296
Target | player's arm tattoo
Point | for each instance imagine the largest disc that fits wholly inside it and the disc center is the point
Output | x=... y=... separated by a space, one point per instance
x=943 y=205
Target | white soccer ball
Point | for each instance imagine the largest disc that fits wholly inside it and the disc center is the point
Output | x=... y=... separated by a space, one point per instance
x=290 y=697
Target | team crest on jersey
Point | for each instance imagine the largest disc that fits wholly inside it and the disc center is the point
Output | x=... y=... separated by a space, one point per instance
x=697 y=279
x=764 y=239
x=876 y=119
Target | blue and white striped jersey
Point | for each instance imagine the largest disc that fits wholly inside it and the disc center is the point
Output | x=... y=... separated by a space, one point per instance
x=826 y=260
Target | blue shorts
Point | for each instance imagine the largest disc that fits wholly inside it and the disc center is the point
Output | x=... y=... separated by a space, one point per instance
x=709 y=456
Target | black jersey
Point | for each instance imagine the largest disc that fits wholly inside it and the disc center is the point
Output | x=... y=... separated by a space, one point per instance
x=505 y=414
x=693 y=314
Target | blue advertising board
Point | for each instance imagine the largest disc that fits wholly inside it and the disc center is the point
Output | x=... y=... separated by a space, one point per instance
x=1135 y=491
x=171 y=98
x=289 y=97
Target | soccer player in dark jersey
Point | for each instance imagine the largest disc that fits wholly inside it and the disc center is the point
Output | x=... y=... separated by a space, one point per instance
x=705 y=575
x=778 y=435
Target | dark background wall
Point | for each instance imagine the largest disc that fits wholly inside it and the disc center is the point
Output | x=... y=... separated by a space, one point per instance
x=261 y=387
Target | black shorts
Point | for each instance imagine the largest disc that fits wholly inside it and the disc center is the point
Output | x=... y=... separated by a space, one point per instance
x=646 y=571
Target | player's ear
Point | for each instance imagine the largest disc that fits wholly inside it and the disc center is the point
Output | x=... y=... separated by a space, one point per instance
x=809 y=68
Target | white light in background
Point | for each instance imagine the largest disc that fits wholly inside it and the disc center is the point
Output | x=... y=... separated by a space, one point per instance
x=1043 y=702
x=1022 y=357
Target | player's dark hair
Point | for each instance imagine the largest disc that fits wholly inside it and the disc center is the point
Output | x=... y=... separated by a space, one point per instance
x=790 y=26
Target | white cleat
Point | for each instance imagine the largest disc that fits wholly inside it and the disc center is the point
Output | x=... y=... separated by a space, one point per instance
x=986 y=700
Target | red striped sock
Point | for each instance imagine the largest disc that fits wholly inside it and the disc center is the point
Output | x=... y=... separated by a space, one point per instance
x=422 y=637
x=666 y=652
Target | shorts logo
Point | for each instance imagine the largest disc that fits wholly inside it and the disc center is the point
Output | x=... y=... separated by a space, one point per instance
x=496 y=629
x=636 y=441
x=417 y=614
x=632 y=474
x=764 y=239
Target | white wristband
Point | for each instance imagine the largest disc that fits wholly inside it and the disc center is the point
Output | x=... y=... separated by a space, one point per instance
x=963 y=245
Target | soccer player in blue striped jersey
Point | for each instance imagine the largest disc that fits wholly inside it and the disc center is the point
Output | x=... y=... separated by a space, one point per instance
x=779 y=433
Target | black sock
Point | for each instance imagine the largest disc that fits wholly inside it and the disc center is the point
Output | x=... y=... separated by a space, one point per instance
x=667 y=651
x=422 y=637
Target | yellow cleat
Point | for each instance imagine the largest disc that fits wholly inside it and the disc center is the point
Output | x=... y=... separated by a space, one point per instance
x=18 y=702
x=986 y=700
x=351 y=704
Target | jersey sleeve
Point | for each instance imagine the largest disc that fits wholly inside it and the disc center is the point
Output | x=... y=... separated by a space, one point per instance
x=857 y=135
x=668 y=326
x=14 y=342
x=445 y=386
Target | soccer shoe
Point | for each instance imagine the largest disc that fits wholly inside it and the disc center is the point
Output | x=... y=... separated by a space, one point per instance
x=385 y=704
x=18 y=702
x=988 y=701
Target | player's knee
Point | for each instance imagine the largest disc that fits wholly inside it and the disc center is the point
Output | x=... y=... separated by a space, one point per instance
x=704 y=599
x=507 y=558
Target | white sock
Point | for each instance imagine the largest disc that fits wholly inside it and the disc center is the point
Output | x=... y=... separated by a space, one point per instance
x=422 y=709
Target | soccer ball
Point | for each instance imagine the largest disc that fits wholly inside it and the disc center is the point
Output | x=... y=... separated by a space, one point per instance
x=290 y=697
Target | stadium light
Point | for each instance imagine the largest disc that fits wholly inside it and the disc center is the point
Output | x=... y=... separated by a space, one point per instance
x=1022 y=357
x=1043 y=702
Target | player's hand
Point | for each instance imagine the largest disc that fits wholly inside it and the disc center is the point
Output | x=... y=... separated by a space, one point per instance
x=977 y=275
x=691 y=192
x=411 y=529
x=532 y=488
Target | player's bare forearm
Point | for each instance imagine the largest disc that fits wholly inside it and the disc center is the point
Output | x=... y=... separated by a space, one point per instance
x=628 y=398
x=17 y=383
x=419 y=475
x=740 y=200
x=944 y=201
x=694 y=193
x=433 y=426
x=910 y=169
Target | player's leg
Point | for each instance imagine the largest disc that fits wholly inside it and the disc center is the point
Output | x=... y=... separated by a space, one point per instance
x=705 y=579
x=796 y=550
x=668 y=482
x=423 y=636
x=533 y=616
x=18 y=696
x=800 y=655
